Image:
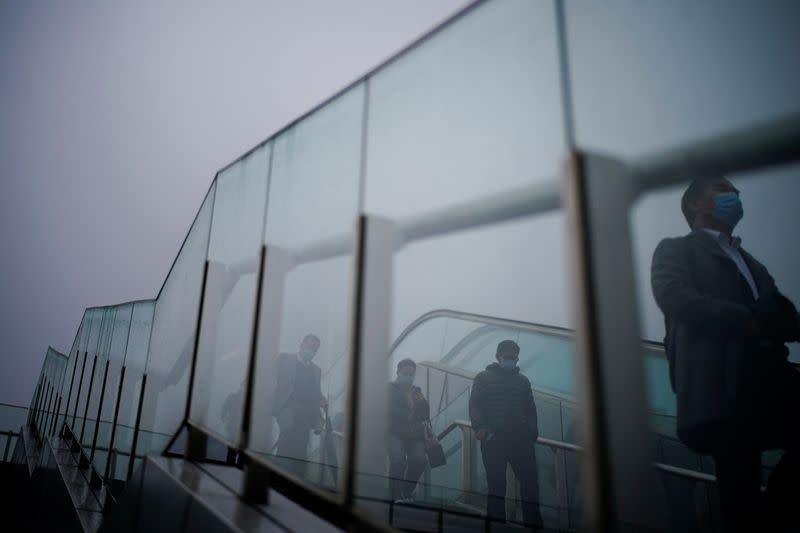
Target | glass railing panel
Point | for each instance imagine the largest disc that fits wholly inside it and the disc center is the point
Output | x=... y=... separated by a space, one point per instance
x=117 y=346
x=97 y=382
x=141 y=323
x=67 y=387
x=304 y=340
x=441 y=136
x=615 y=105
x=79 y=355
x=172 y=343
x=88 y=370
x=230 y=296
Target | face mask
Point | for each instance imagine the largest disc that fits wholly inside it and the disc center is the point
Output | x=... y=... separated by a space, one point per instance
x=307 y=355
x=728 y=208
x=508 y=364
x=405 y=380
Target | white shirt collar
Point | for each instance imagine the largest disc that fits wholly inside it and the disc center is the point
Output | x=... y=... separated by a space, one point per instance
x=733 y=242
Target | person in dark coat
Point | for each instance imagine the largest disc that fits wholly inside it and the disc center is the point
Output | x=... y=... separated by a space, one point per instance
x=408 y=412
x=726 y=325
x=504 y=420
x=297 y=403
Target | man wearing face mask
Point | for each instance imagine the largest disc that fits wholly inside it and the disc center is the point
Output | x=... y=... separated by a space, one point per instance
x=504 y=420
x=409 y=410
x=298 y=399
x=726 y=325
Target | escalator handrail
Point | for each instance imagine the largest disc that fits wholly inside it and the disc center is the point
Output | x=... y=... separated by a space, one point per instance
x=557 y=444
x=466 y=374
x=555 y=331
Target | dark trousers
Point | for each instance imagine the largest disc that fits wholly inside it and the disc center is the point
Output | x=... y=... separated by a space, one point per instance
x=407 y=462
x=736 y=448
x=518 y=451
x=293 y=447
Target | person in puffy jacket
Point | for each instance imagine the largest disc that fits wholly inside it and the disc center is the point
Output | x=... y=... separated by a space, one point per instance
x=504 y=420
x=409 y=410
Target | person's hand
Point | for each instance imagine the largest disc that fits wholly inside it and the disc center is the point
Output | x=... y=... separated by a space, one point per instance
x=482 y=434
x=323 y=402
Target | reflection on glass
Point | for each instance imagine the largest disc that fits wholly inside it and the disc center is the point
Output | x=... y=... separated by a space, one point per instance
x=724 y=290
x=301 y=369
x=474 y=110
x=230 y=295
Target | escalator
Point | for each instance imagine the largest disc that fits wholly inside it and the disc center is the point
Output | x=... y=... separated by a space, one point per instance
x=451 y=347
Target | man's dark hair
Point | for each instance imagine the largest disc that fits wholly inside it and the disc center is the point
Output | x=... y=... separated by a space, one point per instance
x=507 y=346
x=406 y=362
x=695 y=190
x=311 y=338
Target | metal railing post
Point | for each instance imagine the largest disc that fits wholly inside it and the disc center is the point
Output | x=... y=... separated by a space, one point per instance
x=54 y=425
x=619 y=450
x=45 y=422
x=32 y=409
x=255 y=487
x=71 y=384
x=88 y=399
x=114 y=424
x=135 y=442
x=196 y=442
x=78 y=393
x=371 y=307
x=99 y=411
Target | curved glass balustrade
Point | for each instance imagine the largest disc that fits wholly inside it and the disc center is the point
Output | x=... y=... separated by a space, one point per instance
x=434 y=182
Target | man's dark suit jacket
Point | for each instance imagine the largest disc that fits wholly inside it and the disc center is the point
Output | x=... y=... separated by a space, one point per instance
x=285 y=374
x=720 y=372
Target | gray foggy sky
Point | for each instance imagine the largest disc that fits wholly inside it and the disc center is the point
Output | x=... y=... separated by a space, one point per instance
x=114 y=118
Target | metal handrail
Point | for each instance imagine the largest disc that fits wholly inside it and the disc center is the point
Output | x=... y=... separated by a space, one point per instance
x=561 y=445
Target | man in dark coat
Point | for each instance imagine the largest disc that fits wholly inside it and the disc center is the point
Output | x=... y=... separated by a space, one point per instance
x=298 y=399
x=504 y=420
x=408 y=412
x=726 y=325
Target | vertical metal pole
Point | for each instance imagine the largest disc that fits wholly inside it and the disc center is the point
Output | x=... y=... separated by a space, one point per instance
x=51 y=394
x=55 y=418
x=32 y=411
x=612 y=396
x=256 y=479
x=99 y=412
x=88 y=398
x=43 y=408
x=78 y=393
x=71 y=383
x=369 y=341
x=136 y=428
x=196 y=441
x=251 y=362
x=114 y=424
x=38 y=404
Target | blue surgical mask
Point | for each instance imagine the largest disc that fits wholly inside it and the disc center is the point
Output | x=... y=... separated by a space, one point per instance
x=405 y=380
x=728 y=208
x=307 y=355
x=508 y=364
